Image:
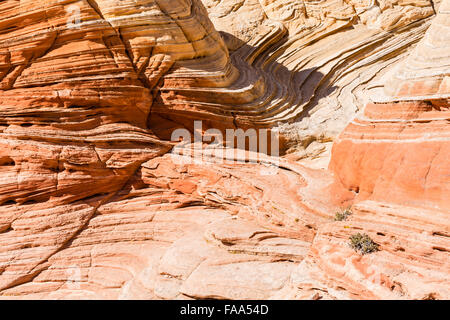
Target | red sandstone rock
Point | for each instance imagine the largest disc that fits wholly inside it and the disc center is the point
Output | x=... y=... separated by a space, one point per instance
x=94 y=205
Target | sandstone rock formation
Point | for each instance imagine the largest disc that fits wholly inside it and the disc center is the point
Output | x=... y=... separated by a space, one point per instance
x=94 y=205
x=318 y=58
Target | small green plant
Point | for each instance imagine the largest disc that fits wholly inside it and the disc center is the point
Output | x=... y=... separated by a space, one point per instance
x=343 y=214
x=431 y=296
x=363 y=243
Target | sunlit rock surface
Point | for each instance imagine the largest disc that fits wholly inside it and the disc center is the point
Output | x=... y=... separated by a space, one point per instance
x=94 y=205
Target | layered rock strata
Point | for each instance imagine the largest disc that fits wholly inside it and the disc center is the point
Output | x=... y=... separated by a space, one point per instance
x=394 y=156
x=93 y=205
x=316 y=59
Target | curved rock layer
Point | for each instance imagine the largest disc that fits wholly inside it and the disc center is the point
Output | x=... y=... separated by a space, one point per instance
x=316 y=60
x=396 y=150
x=394 y=156
x=94 y=206
x=425 y=74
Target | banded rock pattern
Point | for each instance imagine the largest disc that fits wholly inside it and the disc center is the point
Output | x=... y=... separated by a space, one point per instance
x=93 y=205
x=394 y=156
x=317 y=59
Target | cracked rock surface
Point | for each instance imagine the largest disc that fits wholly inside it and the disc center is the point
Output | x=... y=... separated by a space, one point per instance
x=95 y=205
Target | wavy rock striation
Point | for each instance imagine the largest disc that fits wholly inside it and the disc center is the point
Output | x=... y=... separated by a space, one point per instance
x=393 y=156
x=316 y=59
x=93 y=205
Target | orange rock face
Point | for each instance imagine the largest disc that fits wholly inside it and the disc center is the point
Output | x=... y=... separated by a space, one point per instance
x=396 y=152
x=96 y=204
x=394 y=156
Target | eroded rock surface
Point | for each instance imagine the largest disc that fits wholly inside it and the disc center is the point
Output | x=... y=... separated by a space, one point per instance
x=94 y=205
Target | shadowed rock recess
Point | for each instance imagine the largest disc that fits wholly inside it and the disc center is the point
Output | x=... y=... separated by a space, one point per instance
x=94 y=205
